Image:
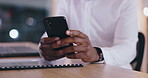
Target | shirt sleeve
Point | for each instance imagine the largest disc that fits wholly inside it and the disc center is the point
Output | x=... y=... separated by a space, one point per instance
x=62 y=8
x=123 y=50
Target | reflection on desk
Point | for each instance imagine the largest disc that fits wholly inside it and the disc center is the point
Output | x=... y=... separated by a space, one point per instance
x=88 y=71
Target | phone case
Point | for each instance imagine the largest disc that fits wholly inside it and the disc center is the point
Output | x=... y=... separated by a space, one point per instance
x=56 y=26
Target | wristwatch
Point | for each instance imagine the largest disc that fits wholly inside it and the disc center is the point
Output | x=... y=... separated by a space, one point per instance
x=99 y=51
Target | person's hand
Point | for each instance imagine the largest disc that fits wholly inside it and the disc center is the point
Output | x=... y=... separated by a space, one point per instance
x=47 y=51
x=83 y=49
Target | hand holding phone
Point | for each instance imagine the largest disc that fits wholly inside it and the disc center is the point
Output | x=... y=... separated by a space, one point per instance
x=56 y=27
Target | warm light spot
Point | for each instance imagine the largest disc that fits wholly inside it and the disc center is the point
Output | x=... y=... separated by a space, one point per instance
x=14 y=33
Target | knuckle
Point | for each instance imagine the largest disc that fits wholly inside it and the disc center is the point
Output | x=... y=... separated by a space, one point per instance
x=76 y=56
x=85 y=60
x=86 y=55
x=88 y=47
x=86 y=37
x=74 y=48
x=59 y=53
x=75 y=39
x=85 y=49
x=54 y=39
x=86 y=42
x=79 y=33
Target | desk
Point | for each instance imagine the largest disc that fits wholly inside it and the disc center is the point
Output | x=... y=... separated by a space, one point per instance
x=88 y=71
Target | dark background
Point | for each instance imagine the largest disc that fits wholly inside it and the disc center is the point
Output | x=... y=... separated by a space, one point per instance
x=26 y=19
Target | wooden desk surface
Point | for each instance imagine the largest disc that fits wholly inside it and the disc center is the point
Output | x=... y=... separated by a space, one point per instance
x=88 y=71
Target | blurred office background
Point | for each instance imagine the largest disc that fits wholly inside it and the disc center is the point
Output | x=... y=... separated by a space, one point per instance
x=21 y=20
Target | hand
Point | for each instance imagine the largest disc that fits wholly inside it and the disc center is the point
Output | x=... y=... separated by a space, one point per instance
x=84 y=49
x=47 y=51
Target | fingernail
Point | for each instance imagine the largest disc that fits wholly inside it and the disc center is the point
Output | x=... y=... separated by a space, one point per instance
x=75 y=44
x=68 y=32
x=58 y=42
x=57 y=38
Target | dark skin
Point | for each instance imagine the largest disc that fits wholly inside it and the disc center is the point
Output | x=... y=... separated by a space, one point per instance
x=83 y=48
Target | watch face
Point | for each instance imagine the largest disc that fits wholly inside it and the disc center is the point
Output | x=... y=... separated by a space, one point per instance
x=99 y=51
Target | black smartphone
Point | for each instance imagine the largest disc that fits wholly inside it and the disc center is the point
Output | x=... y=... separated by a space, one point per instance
x=56 y=26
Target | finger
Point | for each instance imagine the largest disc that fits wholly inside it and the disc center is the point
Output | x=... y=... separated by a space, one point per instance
x=76 y=40
x=76 y=33
x=70 y=40
x=62 y=43
x=45 y=47
x=48 y=40
x=72 y=49
x=50 y=53
x=47 y=53
x=51 y=46
x=79 y=55
x=51 y=58
x=56 y=44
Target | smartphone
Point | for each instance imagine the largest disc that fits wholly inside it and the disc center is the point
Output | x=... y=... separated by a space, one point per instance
x=56 y=26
